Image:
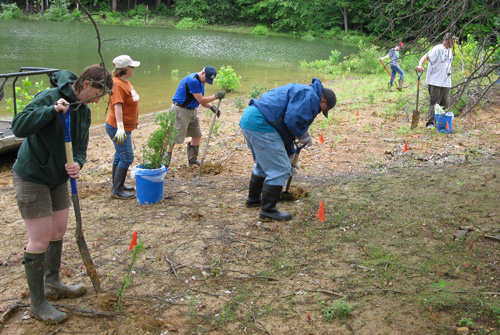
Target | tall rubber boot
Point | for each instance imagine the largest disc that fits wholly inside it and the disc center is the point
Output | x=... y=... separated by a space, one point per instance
x=270 y=197
x=401 y=86
x=54 y=289
x=125 y=187
x=168 y=156
x=118 y=181
x=40 y=308
x=192 y=152
x=254 y=191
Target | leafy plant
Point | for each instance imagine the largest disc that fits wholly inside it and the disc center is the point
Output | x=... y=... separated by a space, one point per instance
x=10 y=12
x=227 y=79
x=341 y=310
x=58 y=11
x=257 y=90
x=174 y=73
x=158 y=142
x=241 y=103
x=466 y=322
x=259 y=30
x=23 y=96
x=127 y=280
x=189 y=23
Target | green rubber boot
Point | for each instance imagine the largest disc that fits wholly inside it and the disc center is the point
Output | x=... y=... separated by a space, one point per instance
x=40 y=308
x=54 y=289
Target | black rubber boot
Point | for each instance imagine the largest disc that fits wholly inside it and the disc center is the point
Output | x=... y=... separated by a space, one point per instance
x=168 y=156
x=54 y=289
x=118 y=181
x=270 y=197
x=192 y=152
x=125 y=187
x=40 y=308
x=254 y=191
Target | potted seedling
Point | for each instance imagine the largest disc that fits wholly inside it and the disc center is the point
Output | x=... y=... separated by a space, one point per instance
x=150 y=174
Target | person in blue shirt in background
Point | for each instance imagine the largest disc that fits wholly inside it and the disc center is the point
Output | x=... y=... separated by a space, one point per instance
x=187 y=98
x=270 y=126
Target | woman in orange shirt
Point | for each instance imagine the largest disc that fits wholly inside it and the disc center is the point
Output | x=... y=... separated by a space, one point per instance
x=122 y=119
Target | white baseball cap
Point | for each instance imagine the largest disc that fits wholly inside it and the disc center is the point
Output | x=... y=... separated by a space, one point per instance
x=123 y=61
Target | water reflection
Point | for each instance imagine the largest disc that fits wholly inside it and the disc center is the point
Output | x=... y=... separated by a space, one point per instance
x=267 y=60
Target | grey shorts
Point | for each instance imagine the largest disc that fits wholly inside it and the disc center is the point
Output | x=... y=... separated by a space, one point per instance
x=187 y=123
x=37 y=200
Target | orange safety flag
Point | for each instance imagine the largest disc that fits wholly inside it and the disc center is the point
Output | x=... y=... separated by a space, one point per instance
x=321 y=139
x=133 y=242
x=321 y=212
x=447 y=126
x=357 y=113
x=405 y=149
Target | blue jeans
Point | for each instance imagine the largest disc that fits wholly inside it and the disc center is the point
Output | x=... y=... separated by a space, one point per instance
x=396 y=69
x=124 y=154
x=269 y=155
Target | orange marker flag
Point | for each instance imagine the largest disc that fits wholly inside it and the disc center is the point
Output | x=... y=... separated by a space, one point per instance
x=133 y=242
x=405 y=149
x=447 y=126
x=321 y=212
x=321 y=139
x=357 y=113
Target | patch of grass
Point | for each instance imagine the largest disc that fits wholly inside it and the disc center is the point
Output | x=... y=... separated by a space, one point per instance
x=341 y=309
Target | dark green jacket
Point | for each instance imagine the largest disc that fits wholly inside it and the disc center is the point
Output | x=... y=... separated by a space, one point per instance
x=42 y=156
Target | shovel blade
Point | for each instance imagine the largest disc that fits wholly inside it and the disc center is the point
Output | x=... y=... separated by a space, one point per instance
x=414 y=119
x=82 y=246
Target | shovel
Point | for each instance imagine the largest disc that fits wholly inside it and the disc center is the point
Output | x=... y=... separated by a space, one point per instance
x=416 y=114
x=294 y=164
x=209 y=135
x=394 y=80
x=80 y=240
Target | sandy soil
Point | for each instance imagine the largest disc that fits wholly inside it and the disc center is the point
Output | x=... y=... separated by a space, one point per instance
x=210 y=266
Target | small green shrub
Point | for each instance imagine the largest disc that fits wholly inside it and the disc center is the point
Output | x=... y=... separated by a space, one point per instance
x=10 y=12
x=259 y=30
x=189 y=23
x=58 y=11
x=227 y=79
x=156 y=146
x=241 y=103
x=466 y=322
x=23 y=96
x=341 y=309
x=257 y=90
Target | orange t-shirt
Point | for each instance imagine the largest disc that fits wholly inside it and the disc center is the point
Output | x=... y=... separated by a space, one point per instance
x=124 y=93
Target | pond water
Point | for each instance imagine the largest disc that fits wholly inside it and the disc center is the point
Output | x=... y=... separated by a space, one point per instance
x=269 y=61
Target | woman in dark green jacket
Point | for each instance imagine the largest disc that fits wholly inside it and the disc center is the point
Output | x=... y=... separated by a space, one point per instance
x=40 y=176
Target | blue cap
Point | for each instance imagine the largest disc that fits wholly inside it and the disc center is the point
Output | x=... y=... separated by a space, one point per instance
x=210 y=74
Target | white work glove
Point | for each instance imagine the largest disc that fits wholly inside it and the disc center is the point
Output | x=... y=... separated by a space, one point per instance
x=120 y=136
x=306 y=139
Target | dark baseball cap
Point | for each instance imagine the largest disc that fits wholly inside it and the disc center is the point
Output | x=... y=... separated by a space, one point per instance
x=331 y=99
x=210 y=74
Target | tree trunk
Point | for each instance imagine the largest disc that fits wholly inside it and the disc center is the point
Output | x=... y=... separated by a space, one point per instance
x=113 y=5
x=344 y=11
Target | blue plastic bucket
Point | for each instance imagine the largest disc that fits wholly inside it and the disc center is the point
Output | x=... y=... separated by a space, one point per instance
x=444 y=122
x=149 y=184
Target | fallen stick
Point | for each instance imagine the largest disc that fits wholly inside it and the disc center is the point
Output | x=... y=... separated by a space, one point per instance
x=11 y=309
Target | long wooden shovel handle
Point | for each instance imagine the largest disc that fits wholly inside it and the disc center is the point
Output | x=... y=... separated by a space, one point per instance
x=80 y=239
x=209 y=135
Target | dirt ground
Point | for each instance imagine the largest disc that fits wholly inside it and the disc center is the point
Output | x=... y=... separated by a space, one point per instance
x=389 y=258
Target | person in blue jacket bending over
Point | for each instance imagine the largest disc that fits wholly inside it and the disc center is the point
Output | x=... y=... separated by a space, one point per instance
x=270 y=126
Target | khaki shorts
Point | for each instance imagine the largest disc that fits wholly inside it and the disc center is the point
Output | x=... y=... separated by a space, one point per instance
x=37 y=200
x=187 y=123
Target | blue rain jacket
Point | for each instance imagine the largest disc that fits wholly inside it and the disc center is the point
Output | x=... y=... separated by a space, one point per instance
x=290 y=109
